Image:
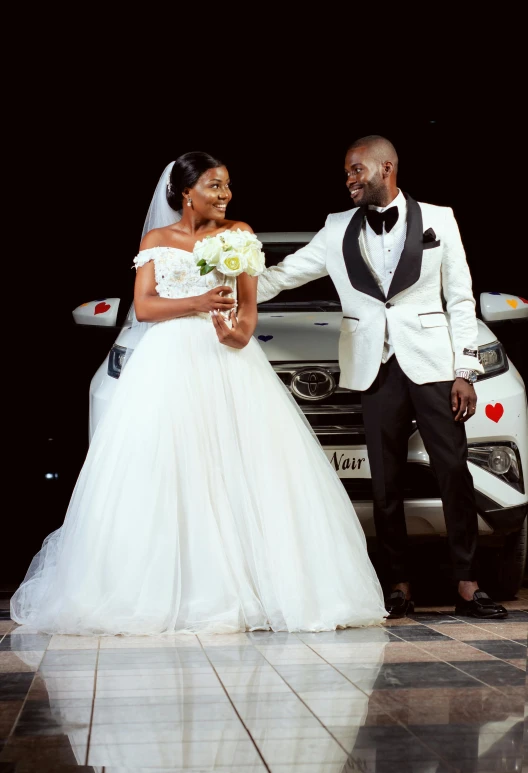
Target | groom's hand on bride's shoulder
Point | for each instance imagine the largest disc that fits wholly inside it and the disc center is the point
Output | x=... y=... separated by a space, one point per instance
x=229 y=336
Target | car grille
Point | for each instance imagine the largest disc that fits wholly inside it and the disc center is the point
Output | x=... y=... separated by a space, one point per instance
x=337 y=420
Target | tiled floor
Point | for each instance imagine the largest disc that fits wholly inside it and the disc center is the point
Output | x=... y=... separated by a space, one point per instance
x=427 y=694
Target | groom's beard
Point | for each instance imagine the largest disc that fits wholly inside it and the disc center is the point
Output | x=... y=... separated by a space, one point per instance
x=374 y=193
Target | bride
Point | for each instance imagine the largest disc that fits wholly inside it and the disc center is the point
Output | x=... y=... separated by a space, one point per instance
x=205 y=503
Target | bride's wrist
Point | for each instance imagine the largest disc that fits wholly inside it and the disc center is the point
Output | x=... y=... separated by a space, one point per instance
x=194 y=304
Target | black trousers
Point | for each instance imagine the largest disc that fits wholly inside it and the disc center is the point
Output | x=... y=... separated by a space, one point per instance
x=389 y=406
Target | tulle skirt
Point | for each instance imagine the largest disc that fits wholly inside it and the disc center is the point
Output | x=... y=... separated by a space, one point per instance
x=205 y=504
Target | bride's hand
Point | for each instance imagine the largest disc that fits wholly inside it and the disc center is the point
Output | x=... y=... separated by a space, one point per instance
x=229 y=336
x=215 y=299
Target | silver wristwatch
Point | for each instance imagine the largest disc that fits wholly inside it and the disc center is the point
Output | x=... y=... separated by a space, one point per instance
x=468 y=375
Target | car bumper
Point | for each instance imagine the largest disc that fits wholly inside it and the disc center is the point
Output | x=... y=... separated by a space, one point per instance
x=501 y=507
x=423 y=505
x=501 y=520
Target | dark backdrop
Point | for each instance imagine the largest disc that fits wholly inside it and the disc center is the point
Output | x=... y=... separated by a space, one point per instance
x=90 y=174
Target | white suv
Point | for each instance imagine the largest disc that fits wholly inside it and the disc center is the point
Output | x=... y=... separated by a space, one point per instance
x=299 y=332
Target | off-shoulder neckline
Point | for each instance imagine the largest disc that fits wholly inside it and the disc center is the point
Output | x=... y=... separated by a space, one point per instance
x=160 y=247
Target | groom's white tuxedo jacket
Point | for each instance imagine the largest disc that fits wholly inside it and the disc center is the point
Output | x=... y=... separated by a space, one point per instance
x=429 y=308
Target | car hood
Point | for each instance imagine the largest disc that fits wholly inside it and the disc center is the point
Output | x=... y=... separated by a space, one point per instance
x=305 y=335
x=296 y=335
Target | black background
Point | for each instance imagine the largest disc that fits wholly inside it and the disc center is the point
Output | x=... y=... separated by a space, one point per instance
x=83 y=171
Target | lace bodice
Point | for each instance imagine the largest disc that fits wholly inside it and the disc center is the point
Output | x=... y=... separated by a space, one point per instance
x=177 y=275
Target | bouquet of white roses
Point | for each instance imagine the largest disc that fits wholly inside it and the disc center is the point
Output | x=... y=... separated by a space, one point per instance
x=231 y=253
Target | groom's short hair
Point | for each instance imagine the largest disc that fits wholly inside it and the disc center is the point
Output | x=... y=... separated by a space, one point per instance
x=382 y=148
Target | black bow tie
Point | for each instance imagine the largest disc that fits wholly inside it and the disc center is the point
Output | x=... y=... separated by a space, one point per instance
x=376 y=219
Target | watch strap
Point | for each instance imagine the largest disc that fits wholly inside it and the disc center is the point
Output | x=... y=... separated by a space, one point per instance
x=467 y=374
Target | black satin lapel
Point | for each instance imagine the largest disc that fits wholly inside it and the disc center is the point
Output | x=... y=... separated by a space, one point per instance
x=358 y=272
x=410 y=264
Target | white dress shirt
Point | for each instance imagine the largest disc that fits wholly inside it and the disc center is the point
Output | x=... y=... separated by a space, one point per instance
x=382 y=253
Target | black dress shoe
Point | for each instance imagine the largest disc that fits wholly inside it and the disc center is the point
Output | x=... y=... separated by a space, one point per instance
x=480 y=606
x=397 y=605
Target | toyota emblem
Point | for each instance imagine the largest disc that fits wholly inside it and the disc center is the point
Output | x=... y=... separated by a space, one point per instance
x=313 y=384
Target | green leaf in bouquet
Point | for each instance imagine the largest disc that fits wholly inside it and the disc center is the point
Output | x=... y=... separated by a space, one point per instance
x=206 y=270
x=201 y=262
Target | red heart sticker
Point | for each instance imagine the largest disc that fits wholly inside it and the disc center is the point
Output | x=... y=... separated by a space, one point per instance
x=101 y=308
x=494 y=412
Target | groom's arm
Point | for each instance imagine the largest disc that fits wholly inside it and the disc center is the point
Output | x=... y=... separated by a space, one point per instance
x=302 y=266
x=458 y=293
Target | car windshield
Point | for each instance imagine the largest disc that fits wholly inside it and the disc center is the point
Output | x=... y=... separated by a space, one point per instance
x=319 y=295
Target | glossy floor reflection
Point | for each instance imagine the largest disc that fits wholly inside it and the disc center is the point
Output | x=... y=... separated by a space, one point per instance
x=428 y=694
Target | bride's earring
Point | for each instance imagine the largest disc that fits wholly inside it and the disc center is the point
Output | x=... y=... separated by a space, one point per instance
x=189 y=202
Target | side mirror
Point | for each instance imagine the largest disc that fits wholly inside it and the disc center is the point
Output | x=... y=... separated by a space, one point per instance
x=495 y=307
x=102 y=312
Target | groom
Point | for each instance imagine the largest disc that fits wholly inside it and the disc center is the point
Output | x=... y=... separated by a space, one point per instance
x=408 y=343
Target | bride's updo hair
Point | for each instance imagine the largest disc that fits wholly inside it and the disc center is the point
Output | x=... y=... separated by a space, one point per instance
x=185 y=173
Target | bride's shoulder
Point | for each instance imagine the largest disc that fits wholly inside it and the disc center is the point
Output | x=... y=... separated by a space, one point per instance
x=150 y=240
x=233 y=225
x=157 y=237
x=149 y=246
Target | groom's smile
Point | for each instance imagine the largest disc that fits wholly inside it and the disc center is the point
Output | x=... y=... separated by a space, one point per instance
x=355 y=192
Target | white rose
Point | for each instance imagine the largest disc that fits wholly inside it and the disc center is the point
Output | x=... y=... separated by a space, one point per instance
x=208 y=249
x=255 y=260
x=232 y=263
x=235 y=239
x=251 y=239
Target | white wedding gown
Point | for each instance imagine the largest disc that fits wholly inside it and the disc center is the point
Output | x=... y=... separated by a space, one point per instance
x=205 y=503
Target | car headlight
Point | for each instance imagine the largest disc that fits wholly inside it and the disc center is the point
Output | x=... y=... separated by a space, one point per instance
x=117 y=359
x=500 y=459
x=493 y=358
